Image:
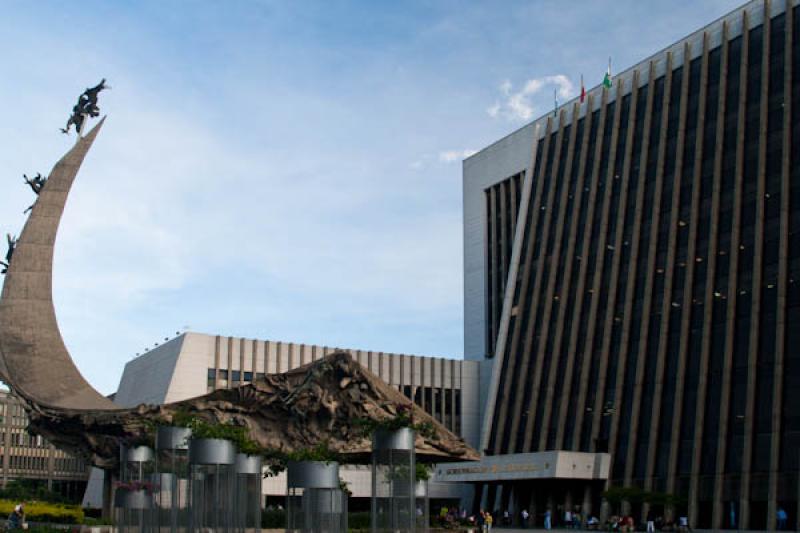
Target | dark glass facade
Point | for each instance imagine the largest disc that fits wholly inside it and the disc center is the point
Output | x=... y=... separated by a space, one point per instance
x=656 y=313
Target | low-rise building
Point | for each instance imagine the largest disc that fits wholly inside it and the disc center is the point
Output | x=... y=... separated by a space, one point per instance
x=193 y=364
x=31 y=458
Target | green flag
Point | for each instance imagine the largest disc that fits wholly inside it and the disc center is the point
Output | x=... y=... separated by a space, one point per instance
x=607 y=77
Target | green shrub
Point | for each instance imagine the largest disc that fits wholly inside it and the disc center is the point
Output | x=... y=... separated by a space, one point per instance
x=45 y=512
x=274 y=519
x=97 y=521
x=28 y=490
x=359 y=520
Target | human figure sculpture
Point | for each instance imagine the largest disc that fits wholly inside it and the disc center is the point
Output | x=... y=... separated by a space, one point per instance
x=12 y=244
x=89 y=96
x=86 y=106
x=37 y=183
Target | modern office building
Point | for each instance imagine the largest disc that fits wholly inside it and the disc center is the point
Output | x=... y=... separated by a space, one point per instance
x=33 y=459
x=193 y=364
x=632 y=271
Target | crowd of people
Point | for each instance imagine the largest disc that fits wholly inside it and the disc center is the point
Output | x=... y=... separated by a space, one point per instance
x=486 y=520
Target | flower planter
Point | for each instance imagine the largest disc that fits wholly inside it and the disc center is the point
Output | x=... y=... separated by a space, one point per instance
x=312 y=475
x=136 y=454
x=134 y=495
x=132 y=499
x=393 y=505
x=247 y=496
x=314 y=500
x=212 y=483
x=172 y=438
x=248 y=464
x=211 y=452
x=400 y=439
x=172 y=472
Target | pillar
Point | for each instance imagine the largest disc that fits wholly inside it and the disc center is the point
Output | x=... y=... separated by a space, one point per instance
x=586 y=507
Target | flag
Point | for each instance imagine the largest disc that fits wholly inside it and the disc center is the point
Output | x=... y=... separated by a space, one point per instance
x=555 y=102
x=607 y=78
x=583 y=90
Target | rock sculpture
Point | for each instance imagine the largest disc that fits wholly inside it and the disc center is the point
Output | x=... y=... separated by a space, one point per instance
x=321 y=401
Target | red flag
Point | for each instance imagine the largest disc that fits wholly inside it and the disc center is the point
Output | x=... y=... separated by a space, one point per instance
x=583 y=90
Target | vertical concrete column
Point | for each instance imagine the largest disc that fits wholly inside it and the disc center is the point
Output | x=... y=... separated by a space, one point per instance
x=51 y=453
x=614 y=282
x=216 y=361
x=583 y=280
x=7 y=423
x=600 y=260
x=586 y=506
x=667 y=290
x=568 y=505
x=550 y=293
x=730 y=319
x=686 y=304
x=708 y=297
x=532 y=508
x=241 y=360
x=783 y=264
x=551 y=506
x=540 y=287
x=254 y=357
x=630 y=290
x=605 y=510
x=230 y=363
x=502 y=409
x=669 y=276
x=583 y=178
x=758 y=267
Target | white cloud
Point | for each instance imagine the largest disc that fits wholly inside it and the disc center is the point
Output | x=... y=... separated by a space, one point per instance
x=521 y=105
x=450 y=156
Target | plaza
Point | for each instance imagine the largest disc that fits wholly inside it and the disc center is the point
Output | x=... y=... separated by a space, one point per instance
x=631 y=327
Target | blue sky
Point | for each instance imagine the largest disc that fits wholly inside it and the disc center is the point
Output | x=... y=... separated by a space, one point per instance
x=286 y=170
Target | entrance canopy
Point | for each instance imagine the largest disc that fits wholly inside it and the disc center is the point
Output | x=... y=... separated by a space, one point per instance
x=519 y=466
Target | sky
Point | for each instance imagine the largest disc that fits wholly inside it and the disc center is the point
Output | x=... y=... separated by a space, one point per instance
x=285 y=170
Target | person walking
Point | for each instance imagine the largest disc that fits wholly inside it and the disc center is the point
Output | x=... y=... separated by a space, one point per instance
x=547 y=523
x=16 y=520
x=525 y=517
x=651 y=523
x=487 y=521
x=782 y=518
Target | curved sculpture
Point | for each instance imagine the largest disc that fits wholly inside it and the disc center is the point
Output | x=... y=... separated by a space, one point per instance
x=33 y=358
x=289 y=411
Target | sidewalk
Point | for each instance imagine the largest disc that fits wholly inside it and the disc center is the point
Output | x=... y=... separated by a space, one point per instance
x=530 y=529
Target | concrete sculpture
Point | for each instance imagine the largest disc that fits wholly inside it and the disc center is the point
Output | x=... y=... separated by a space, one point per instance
x=290 y=411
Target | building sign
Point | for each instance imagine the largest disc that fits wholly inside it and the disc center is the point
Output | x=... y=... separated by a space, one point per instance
x=542 y=465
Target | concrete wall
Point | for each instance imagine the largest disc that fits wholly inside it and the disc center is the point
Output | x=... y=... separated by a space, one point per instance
x=146 y=379
x=506 y=157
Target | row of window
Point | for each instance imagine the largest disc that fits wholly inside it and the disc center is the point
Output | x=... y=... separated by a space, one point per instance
x=660 y=291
